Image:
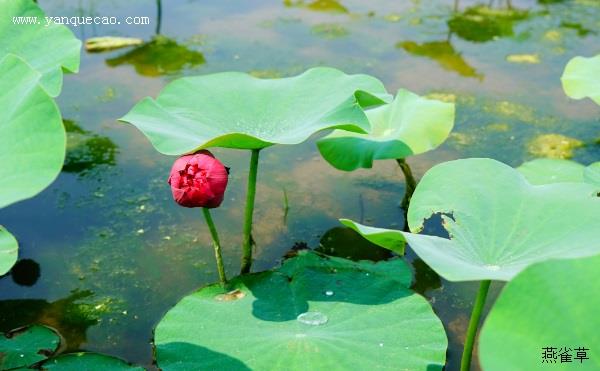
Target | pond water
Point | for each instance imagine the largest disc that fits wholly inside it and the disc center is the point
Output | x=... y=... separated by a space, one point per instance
x=104 y=250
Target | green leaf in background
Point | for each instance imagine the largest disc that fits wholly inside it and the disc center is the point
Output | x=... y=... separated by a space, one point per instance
x=312 y=313
x=9 y=248
x=547 y=171
x=550 y=304
x=26 y=346
x=581 y=78
x=32 y=137
x=408 y=126
x=88 y=362
x=498 y=222
x=47 y=49
x=236 y=110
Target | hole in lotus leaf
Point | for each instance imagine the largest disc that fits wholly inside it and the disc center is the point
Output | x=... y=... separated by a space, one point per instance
x=231 y=295
x=434 y=225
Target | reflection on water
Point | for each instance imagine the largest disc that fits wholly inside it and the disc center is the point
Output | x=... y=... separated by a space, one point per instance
x=87 y=150
x=160 y=56
x=481 y=23
x=444 y=53
x=331 y=6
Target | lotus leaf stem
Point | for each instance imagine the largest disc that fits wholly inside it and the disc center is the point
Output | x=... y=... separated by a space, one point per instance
x=250 y=196
x=216 y=244
x=465 y=362
x=411 y=184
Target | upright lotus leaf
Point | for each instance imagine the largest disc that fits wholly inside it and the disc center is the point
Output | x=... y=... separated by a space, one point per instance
x=32 y=137
x=26 y=346
x=407 y=126
x=550 y=304
x=581 y=78
x=547 y=171
x=498 y=222
x=47 y=48
x=88 y=362
x=237 y=110
x=312 y=313
x=8 y=250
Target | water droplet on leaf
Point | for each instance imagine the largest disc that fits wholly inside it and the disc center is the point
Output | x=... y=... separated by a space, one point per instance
x=329 y=293
x=312 y=318
x=492 y=267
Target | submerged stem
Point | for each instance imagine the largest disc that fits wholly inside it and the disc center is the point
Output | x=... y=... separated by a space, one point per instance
x=250 y=196
x=465 y=362
x=216 y=244
x=411 y=183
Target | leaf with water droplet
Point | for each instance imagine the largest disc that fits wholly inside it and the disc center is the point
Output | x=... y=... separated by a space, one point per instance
x=498 y=222
x=288 y=311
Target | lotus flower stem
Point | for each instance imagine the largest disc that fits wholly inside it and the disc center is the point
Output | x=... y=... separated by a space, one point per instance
x=465 y=362
x=216 y=244
x=411 y=183
x=250 y=196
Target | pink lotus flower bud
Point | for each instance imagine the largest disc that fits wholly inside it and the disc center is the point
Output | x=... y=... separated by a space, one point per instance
x=198 y=180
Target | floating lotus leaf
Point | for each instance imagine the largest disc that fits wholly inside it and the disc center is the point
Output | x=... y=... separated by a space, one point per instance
x=48 y=49
x=236 y=110
x=481 y=23
x=581 y=78
x=312 y=313
x=32 y=137
x=8 y=250
x=26 y=346
x=407 y=126
x=88 y=362
x=497 y=221
x=550 y=304
x=547 y=171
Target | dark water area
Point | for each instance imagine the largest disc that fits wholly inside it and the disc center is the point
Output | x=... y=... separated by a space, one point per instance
x=104 y=252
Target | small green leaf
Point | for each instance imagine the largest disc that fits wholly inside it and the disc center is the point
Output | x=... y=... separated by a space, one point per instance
x=497 y=221
x=9 y=249
x=48 y=49
x=237 y=110
x=581 y=78
x=408 y=126
x=32 y=137
x=550 y=304
x=26 y=346
x=313 y=313
x=88 y=362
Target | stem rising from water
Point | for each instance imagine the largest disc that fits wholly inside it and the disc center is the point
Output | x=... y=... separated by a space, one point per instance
x=216 y=244
x=465 y=362
x=250 y=196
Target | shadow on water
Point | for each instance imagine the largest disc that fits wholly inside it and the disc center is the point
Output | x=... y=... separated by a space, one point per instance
x=87 y=150
x=346 y=243
x=25 y=272
x=71 y=316
x=159 y=56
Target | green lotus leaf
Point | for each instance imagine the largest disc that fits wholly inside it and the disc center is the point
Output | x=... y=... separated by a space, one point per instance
x=88 y=362
x=9 y=249
x=48 y=49
x=547 y=171
x=26 y=346
x=407 y=126
x=237 y=110
x=592 y=174
x=312 y=313
x=581 y=78
x=543 y=307
x=497 y=221
x=32 y=137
